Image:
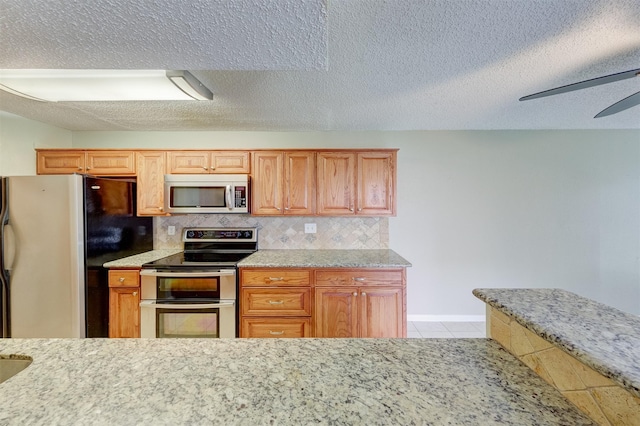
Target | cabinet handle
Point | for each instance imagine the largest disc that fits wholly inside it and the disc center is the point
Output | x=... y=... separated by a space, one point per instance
x=276 y=302
x=276 y=278
x=276 y=333
x=121 y=279
x=358 y=278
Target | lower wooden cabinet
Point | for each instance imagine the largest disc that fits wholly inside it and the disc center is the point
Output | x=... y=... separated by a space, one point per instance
x=275 y=302
x=322 y=302
x=359 y=312
x=124 y=303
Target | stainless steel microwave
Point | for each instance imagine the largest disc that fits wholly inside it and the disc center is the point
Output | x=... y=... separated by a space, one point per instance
x=206 y=193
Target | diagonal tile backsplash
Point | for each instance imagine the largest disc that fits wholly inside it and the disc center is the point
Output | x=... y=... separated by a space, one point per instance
x=284 y=232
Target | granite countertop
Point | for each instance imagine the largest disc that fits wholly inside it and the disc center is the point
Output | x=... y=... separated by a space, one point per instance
x=276 y=381
x=325 y=259
x=138 y=260
x=602 y=337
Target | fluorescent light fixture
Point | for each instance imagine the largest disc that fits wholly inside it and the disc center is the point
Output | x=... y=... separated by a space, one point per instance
x=103 y=85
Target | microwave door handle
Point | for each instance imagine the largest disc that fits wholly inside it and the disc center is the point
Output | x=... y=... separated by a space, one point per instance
x=156 y=305
x=228 y=197
x=155 y=273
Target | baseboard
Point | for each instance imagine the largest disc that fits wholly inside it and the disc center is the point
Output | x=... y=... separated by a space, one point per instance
x=447 y=318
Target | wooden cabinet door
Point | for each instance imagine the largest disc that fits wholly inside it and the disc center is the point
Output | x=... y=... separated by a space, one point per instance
x=381 y=313
x=188 y=162
x=336 y=175
x=111 y=163
x=336 y=312
x=267 y=188
x=151 y=168
x=60 y=162
x=229 y=162
x=376 y=184
x=124 y=312
x=299 y=183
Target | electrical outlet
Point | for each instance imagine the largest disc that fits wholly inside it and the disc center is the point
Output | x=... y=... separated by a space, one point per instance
x=171 y=230
x=310 y=228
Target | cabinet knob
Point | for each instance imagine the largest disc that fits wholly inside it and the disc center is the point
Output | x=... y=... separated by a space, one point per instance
x=80 y=168
x=364 y=293
x=121 y=279
x=360 y=209
x=135 y=293
x=355 y=294
x=204 y=167
x=88 y=168
x=350 y=209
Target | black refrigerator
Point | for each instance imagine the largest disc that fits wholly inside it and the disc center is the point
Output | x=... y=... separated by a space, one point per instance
x=56 y=232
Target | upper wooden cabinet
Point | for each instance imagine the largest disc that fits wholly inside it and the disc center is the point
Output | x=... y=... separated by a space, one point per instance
x=198 y=162
x=283 y=183
x=150 y=183
x=94 y=162
x=356 y=183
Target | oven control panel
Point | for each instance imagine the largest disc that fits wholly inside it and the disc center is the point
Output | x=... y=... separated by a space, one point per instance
x=220 y=234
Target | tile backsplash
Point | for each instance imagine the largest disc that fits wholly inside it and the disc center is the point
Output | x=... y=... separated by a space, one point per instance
x=284 y=232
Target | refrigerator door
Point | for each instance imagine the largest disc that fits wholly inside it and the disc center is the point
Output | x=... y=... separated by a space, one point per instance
x=46 y=274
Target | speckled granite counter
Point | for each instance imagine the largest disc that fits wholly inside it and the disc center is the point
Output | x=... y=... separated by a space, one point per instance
x=273 y=381
x=602 y=337
x=586 y=350
x=325 y=259
x=138 y=260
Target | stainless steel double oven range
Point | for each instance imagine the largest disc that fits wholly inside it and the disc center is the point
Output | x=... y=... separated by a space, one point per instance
x=193 y=294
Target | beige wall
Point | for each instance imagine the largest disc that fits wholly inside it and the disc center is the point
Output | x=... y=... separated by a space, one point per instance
x=18 y=139
x=486 y=208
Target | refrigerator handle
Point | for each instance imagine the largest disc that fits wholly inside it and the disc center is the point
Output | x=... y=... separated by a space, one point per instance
x=5 y=314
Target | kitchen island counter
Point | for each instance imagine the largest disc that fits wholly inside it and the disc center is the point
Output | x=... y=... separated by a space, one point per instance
x=279 y=381
x=383 y=258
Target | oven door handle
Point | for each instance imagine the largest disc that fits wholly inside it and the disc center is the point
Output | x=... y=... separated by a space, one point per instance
x=155 y=273
x=156 y=305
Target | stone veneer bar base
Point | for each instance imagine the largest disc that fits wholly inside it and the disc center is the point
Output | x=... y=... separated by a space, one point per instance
x=595 y=395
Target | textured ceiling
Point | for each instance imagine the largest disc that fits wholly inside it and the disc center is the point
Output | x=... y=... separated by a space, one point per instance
x=336 y=65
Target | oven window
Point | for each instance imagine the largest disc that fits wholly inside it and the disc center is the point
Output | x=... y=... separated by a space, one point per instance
x=192 y=196
x=196 y=323
x=170 y=288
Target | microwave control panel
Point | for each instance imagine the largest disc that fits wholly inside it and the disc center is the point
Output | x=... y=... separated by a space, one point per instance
x=240 y=196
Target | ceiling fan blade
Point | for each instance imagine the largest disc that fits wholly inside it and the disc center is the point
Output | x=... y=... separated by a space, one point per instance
x=584 y=84
x=626 y=103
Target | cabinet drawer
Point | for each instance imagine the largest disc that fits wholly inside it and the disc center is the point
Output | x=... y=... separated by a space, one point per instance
x=269 y=301
x=332 y=277
x=124 y=278
x=276 y=327
x=275 y=277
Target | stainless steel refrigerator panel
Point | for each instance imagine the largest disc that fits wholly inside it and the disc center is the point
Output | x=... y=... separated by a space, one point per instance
x=46 y=245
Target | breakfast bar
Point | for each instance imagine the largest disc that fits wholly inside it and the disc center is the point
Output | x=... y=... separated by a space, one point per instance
x=276 y=381
x=587 y=350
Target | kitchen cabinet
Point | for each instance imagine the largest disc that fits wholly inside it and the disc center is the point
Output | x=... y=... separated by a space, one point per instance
x=124 y=303
x=94 y=162
x=150 y=182
x=356 y=183
x=200 y=162
x=360 y=303
x=283 y=183
x=275 y=302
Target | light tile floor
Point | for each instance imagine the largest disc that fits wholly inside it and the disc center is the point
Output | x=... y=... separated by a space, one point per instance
x=446 y=330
